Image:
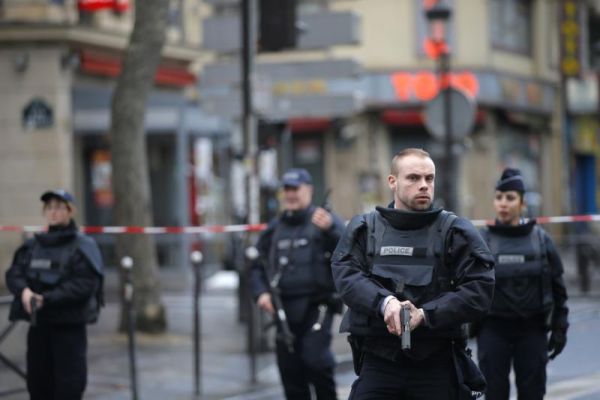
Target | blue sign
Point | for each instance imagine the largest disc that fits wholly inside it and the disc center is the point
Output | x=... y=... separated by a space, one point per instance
x=38 y=115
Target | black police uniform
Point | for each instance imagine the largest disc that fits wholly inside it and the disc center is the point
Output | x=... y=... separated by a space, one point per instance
x=293 y=246
x=437 y=261
x=66 y=268
x=530 y=299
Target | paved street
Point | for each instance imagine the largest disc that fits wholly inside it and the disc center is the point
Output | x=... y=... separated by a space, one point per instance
x=165 y=361
x=574 y=375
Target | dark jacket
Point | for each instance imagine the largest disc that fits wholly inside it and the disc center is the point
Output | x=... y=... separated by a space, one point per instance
x=316 y=254
x=555 y=288
x=467 y=259
x=76 y=296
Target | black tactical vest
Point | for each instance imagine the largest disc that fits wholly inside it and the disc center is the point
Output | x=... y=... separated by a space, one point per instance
x=297 y=254
x=409 y=263
x=49 y=264
x=523 y=281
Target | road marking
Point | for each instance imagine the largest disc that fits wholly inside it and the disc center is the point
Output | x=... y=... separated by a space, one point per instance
x=573 y=388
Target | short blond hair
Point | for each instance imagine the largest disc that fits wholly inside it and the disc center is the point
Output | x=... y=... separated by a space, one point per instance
x=412 y=151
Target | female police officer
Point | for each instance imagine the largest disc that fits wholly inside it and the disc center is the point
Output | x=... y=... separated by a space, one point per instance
x=59 y=273
x=530 y=299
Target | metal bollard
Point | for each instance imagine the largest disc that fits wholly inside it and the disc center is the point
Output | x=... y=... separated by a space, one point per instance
x=127 y=265
x=196 y=258
x=251 y=255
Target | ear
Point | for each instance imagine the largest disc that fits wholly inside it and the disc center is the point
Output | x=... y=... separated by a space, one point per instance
x=392 y=182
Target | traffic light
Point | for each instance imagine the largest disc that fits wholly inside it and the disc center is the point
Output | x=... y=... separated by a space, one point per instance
x=277 y=25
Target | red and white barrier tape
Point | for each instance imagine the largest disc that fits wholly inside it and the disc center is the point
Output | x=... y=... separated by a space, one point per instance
x=562 y=219
x=153 y=230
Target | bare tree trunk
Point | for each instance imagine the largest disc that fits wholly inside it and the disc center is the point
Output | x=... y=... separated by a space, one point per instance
x=131 y=183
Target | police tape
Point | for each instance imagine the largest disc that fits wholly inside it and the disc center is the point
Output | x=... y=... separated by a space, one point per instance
x=562 y=219
x=152 y=230
x=156 y=230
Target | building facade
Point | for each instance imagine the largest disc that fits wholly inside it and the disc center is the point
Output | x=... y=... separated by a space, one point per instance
x=353 y=90
x=59 y=60
x=583 y=107
x=340 y=102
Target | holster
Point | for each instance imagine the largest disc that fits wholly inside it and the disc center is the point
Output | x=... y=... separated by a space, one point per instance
x=471 y=382
x=356 y=345
x=473 y=329
x=336 y=304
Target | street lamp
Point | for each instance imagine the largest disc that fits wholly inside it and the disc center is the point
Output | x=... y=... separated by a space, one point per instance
x=437 y=17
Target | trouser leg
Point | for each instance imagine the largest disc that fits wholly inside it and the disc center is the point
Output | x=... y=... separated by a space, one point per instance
x=39 y=364
x=318 y=360
x=291 y=370
x=494 y=350
x=70 y=365
x=404 y=379
x=530 y=362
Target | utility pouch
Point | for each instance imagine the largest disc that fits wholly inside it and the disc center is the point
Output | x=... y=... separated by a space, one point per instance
x=471 y=382
x=336 y=304
x=356 y=345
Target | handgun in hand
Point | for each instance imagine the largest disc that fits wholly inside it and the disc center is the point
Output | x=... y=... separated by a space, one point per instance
x=405 y=321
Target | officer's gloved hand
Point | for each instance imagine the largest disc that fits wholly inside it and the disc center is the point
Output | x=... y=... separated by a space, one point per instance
x=556 y=344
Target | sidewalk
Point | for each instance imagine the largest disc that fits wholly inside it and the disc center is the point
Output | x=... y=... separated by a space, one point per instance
x=165 y=362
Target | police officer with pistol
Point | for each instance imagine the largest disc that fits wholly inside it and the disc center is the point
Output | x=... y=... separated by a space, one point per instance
x=294 y=273
x=56 y=279
x=411 y=258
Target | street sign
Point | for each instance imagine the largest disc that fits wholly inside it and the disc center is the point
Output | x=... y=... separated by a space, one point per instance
x=462 y=114
x=38 y=114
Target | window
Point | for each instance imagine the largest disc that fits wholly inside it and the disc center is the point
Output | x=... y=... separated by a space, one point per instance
x=511 y=25
x=593 y=34
x=520 y=147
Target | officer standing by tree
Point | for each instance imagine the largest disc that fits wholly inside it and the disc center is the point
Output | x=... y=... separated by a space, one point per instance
x=56 y=279
x=297 y=247
x=530 y=298
x=427 y=259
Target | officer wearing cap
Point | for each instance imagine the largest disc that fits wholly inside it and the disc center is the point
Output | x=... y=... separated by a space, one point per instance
x=529 y=300
x=297 y=246
x=56 y=278
x=427 y=260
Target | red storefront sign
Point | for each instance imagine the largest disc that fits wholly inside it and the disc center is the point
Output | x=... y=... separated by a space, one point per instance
x=425 y=85
x=96 y=5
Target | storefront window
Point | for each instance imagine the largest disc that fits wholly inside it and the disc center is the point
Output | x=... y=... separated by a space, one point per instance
x=511 y=25
x=520 y=148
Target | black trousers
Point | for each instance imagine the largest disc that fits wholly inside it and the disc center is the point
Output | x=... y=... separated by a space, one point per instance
x=56 y=362
x=504 y=343
x=312 y=362
x=406 y=379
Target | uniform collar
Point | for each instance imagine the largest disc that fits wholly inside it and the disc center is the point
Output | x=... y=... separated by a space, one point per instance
x=523 y=229
x=58 y=234
x=297 y=217
x=408 y=220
